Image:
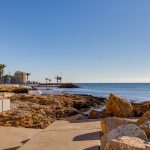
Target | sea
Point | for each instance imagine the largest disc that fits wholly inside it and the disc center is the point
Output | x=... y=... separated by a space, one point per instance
x=137 y=92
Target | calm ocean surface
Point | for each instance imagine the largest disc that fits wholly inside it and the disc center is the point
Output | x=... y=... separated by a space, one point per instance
x=132 y=91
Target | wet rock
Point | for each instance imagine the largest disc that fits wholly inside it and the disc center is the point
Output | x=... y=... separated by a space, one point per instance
x=119 y=107
x=111 y=123
x=79 y=105
x=130 y=130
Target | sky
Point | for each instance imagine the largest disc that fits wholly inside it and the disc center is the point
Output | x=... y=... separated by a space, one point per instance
x=84 y=40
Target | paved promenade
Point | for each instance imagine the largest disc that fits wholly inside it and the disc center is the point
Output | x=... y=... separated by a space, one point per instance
x=65 y=135
x=13 y=138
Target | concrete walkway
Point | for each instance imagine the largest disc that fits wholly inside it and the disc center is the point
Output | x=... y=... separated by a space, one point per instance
x=13 y=138
x=67 y=135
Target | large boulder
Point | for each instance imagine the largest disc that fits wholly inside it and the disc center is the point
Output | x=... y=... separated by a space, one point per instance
x=127 y=143
x=130 y=130
x=146 y=127
x=119 y=107
x=76 y=117
x=144 y=123
x=95 y=114
x=111 y=123
x=144 y=118
x=140 y=108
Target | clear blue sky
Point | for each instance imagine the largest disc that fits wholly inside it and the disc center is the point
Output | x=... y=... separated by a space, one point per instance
x=86 y=40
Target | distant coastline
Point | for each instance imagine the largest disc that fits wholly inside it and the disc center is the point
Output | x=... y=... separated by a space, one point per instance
x=138 y=92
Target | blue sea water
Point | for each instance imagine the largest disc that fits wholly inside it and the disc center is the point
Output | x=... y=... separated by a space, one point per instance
x=138 y=92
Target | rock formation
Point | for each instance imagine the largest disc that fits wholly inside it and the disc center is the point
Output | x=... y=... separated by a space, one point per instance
x=111 y=123
x=76 y=117
x=119 y=107
x=127 y=143
x=146 y=127
x=144 y=118
x=95 y=114
x=144 y=123
x=40 y=111
x=140 y=108
x=130 y=130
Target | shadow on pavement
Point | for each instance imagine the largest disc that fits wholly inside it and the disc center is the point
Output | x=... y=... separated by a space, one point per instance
x=93 y=148
x=87 y=136
x=13 y=148
x=25 y=141
x=84 y=120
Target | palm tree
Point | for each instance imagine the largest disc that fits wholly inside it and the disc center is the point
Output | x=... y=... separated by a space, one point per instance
x=46 y=80
x=2 y=66
x=58 y=78
x=28 y=74
x=49 y=80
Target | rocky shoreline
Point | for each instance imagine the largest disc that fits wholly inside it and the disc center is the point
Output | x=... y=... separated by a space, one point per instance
x=40 y=111
x=124 y=125
x=14 y=89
